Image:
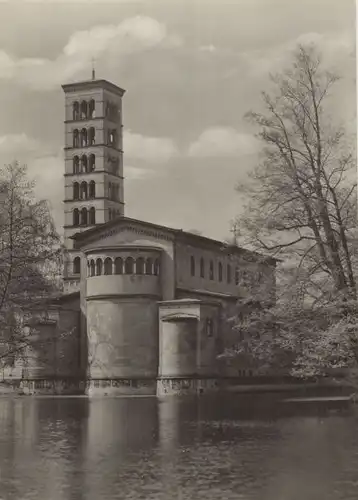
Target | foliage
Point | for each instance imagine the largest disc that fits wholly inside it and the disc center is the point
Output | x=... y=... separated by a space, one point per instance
x=302 y=198
x=296 y=339
x=302 y=207
x=30 y=256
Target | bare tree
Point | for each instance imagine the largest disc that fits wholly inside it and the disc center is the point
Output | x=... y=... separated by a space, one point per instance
x=30 y=258
x=303 y=203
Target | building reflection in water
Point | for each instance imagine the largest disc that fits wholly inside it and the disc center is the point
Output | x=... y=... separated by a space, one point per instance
x=80 y=449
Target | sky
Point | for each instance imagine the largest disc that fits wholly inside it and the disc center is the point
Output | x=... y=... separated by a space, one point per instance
x=191 y=70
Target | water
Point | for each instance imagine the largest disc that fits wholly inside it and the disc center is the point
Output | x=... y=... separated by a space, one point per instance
x=139 y=448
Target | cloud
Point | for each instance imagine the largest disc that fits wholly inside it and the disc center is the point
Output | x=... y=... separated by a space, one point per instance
x=18 y=144
x=149 y=149
x=137 y=173
x=107 y=42
x=222 y=142
x=335 y=47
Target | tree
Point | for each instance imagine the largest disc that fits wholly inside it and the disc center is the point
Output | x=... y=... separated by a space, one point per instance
x=302 y=201
x=293 y=339
x=302 y=207
x=30 y=259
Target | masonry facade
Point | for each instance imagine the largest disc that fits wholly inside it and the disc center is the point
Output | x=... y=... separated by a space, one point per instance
x=149 y=304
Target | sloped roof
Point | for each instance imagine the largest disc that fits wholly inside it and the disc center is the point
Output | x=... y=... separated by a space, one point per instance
x=177 y=234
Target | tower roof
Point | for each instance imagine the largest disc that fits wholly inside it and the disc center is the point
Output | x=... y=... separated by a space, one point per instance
x=91 y=84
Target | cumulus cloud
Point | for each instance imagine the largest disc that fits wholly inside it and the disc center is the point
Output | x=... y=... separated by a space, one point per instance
x=114 y=42
x=149 y=149
x=222 y=142
x=335 y=47
x=18 y=144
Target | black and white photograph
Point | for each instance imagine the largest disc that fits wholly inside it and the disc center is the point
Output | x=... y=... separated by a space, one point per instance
x=178 y=250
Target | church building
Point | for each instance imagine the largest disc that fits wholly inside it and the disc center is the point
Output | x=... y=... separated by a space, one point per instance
x=145 y=307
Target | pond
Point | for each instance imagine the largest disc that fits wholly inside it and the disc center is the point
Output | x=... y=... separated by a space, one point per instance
x=249 y=448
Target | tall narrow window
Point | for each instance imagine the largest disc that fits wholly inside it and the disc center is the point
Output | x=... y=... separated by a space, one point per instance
x=75 y=138
x=76 y=265
x=118 y=265
x=83 y=191
x=220 y=271
x=84 y=217
x=76 y=191
x=99 y=267
x=84 y=164
x=75 y=110
x=92 y=216
x=237 y=278
x=211 y=270
x=149 y=266
x=83 y=110
x=83 y=137
x=92 y=163
x=93 y=268
x=192 y=265
x=76 y=165
x=91 y=136
x=92 y=189
x=140 y=265
x=129 y=265
x=76 y=217
x=92 y=109
x=202 y=268
x=228 y=273
x=108 y=266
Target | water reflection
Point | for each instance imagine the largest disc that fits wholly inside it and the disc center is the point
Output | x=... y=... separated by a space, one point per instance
x=248 y=447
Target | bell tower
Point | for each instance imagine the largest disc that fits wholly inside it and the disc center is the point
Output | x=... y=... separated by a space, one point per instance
x=93 y=163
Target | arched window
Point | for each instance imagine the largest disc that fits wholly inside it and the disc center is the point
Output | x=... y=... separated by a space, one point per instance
x=109 y=190
x=92 y=189
x=92 y=216
x=75 y=138
x=83 y=110
x=88 y=269
x=117 y=192
x=220 y=271
x=118 y=265
x=211 y=270
x=108 y=268
x=76 y=191
x=76 y=165
x=93 y=268
x=140 y=265
x=129 y=265
x=228 y=273
x=237 y=277
x=92 y=109
x=156 y=267
x=83 y=164
x=76 y=217
x=83 y=137
x=149 y=266
x=99 y=266
x=83 y=191
x=91 y=136
x=77 y=265
x=84 y=217
x=192 y=265
x=202 y=268
x=75 y=110
x=92 y=162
